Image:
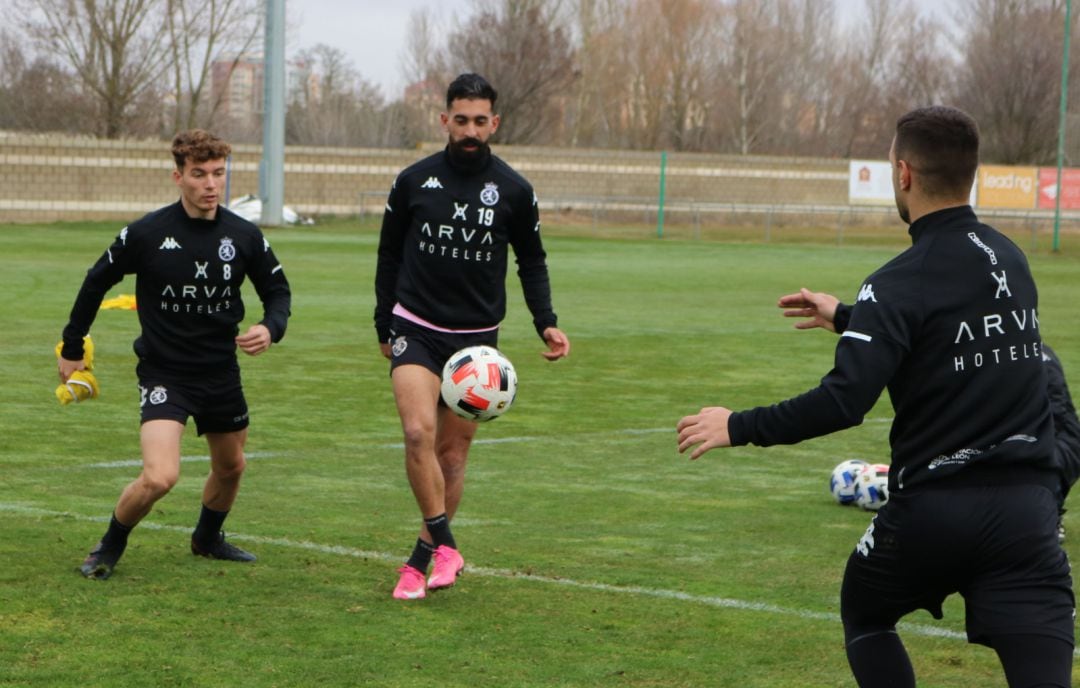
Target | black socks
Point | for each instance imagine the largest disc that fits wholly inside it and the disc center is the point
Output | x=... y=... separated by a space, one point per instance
x=439 y=527
x=208 y=527
x=421 y=556
x=116 y=537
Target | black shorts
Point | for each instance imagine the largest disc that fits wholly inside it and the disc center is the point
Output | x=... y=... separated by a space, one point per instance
x=412 y=344
x=215 y=400
x=996 y=546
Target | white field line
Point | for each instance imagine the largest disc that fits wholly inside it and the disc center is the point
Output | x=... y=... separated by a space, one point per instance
x=127 y=463
x=658 y=593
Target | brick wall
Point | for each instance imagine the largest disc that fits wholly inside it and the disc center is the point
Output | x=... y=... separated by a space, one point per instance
x=47 y=178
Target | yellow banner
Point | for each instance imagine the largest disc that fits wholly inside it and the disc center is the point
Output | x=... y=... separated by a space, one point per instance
x=1007 y=187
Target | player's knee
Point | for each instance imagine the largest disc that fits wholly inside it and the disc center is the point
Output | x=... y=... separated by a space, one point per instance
x=453 y=463
x=231 y=469
x=417 y=436
x=158 y=484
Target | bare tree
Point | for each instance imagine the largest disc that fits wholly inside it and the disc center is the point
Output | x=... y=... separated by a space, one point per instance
x=758 y=42
x=524 y=50
x=427 y=75
x=200 y=32
x=37 y=95
x=1012 y=81
x=115 y=47
x=332 y=105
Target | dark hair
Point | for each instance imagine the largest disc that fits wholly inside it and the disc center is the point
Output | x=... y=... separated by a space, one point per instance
x=470 y=87
x=199 y=146
x=942 y=145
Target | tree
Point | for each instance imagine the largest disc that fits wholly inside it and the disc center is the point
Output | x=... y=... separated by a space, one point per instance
x=1012 y=82
x=114 y=47
x=331 y=105
x=523 y=48
x=37 y=95
x=200 y=32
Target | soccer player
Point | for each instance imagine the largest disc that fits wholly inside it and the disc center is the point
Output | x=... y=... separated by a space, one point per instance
x=950 y=327
x=440 y=285
x=825 y=311
x=189 y=260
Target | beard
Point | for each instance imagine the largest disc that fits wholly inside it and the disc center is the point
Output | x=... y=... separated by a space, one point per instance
x=469 y=159
x=905 y=212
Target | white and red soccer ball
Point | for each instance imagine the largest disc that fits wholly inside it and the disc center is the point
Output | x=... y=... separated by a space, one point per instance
x=872 y=487
x=855 y=481
x=479 y=383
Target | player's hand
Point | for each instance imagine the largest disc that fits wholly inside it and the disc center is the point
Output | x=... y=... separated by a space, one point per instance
x=384 y=347
x=255 y=341
x=65 y=367
x=707 y=429
x=558 y=344
x=818 y=307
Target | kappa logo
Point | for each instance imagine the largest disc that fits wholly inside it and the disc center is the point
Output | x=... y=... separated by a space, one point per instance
x=432 y=183
x=866 y=293
x=168 y=244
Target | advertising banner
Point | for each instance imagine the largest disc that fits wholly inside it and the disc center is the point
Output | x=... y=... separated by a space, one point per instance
x=1007 y=187
x=870 y=183
x=1048 y=188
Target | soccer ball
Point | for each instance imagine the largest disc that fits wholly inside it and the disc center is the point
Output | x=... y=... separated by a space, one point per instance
x=872 y=487
x=479 y=383
x=843 y=480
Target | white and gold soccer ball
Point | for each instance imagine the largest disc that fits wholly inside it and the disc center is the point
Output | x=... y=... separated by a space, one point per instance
x=479 y=383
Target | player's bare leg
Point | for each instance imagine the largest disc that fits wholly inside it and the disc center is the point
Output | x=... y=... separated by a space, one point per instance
x=160 y=440
x=227 y=465
x=453 y=440
x=416 y=391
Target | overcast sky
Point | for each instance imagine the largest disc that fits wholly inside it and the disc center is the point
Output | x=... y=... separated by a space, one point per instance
x=372 y=32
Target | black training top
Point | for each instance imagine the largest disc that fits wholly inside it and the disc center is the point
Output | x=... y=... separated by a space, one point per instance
x=443 y=247
x=951 y=327
x=188 y=274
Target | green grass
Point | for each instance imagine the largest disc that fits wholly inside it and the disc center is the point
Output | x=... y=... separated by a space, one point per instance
x=597 y=556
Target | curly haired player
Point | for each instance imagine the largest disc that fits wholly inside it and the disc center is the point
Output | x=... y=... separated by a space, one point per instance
x=189 y=260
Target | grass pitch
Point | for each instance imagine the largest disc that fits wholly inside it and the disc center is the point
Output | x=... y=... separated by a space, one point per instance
x=596 y=555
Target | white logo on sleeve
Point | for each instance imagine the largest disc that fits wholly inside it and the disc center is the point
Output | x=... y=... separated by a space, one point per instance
x=432 y=183
x=866 y=293
x=169 y=244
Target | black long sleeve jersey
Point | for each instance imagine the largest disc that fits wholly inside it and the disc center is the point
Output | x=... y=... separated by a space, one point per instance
x=951 y=328
x=443 y=246
x=188 y=274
